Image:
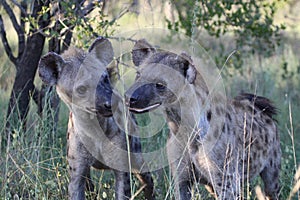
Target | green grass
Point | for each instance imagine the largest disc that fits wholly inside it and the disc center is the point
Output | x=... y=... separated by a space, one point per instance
x=34 y=166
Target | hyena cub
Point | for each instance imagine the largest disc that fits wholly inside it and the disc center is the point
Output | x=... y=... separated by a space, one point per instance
x=215 y=141
x=94 y=137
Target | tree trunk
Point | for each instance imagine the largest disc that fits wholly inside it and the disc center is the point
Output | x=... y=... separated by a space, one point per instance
x=23 y=86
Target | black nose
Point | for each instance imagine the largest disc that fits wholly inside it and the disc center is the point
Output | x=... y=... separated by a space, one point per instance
x=130 y=99
x=133 y=100
x=107 y=105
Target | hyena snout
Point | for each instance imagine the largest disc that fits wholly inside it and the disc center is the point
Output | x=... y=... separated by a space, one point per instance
x=105 y=98
x=142 y=98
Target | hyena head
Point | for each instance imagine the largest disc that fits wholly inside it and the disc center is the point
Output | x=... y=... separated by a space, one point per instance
x=161 y=79
x=81 y=78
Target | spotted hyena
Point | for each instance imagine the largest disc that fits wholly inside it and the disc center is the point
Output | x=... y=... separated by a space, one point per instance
x=94 y=137
x=213 y=140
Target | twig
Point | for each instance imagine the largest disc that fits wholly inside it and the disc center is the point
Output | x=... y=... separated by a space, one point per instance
x=259 y=194
x=22 y=42
x=138 y=192
x=122 y=63
x=122 y=38
x=89 y=8
x=122 y=13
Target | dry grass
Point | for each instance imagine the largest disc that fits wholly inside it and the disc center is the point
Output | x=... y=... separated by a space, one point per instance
x=34 y=164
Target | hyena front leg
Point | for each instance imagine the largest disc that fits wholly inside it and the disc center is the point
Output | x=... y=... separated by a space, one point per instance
x=182 y=183
x=79 y=172
x=146 y=179
x=270 y=177
x=80 y=162
x=181 y=170
x=122 y=185
x=139 y=165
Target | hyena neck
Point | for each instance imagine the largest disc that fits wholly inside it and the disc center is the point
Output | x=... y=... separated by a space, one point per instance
x=89 y=124
x=173 y=115
x=194 y=110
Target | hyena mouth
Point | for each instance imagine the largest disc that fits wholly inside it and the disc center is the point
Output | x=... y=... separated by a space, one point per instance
x=101 y=113
x=90 y=110
x=143 y=110
x=105 y=114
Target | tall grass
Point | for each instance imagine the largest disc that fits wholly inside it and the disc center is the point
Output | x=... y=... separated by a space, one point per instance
x=33 y=165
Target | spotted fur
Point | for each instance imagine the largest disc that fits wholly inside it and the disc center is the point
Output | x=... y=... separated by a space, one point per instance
x=82 y=82
x=219 y=142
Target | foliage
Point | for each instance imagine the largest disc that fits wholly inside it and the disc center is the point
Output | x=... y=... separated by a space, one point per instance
x=81 y=15
x=251 y=22
x=85 y=19
x=35 y=22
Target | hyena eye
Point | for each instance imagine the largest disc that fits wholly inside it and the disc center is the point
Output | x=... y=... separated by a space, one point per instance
x=160 y=86
x=81 y=90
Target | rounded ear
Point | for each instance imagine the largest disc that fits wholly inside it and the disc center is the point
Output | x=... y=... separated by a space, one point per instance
x=50 y=67
x=141 y=50
x=190 y=70
x=102 y=49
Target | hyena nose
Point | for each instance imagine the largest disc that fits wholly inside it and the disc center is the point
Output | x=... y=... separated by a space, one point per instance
x=107 y=105
x=132 y=100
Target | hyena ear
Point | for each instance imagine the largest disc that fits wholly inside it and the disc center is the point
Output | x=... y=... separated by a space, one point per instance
x=141 y=50
x=50 y=66
x=102 y=49
x=189 y=68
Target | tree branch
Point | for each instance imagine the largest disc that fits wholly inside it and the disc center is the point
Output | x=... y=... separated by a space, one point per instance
x=22 y=42
x=43 y=23
x=122 y=39
x=5 y=42
x=21 y=7
x=67 y=41
x=83 y=12
x=13 y=18
x=89 y=8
